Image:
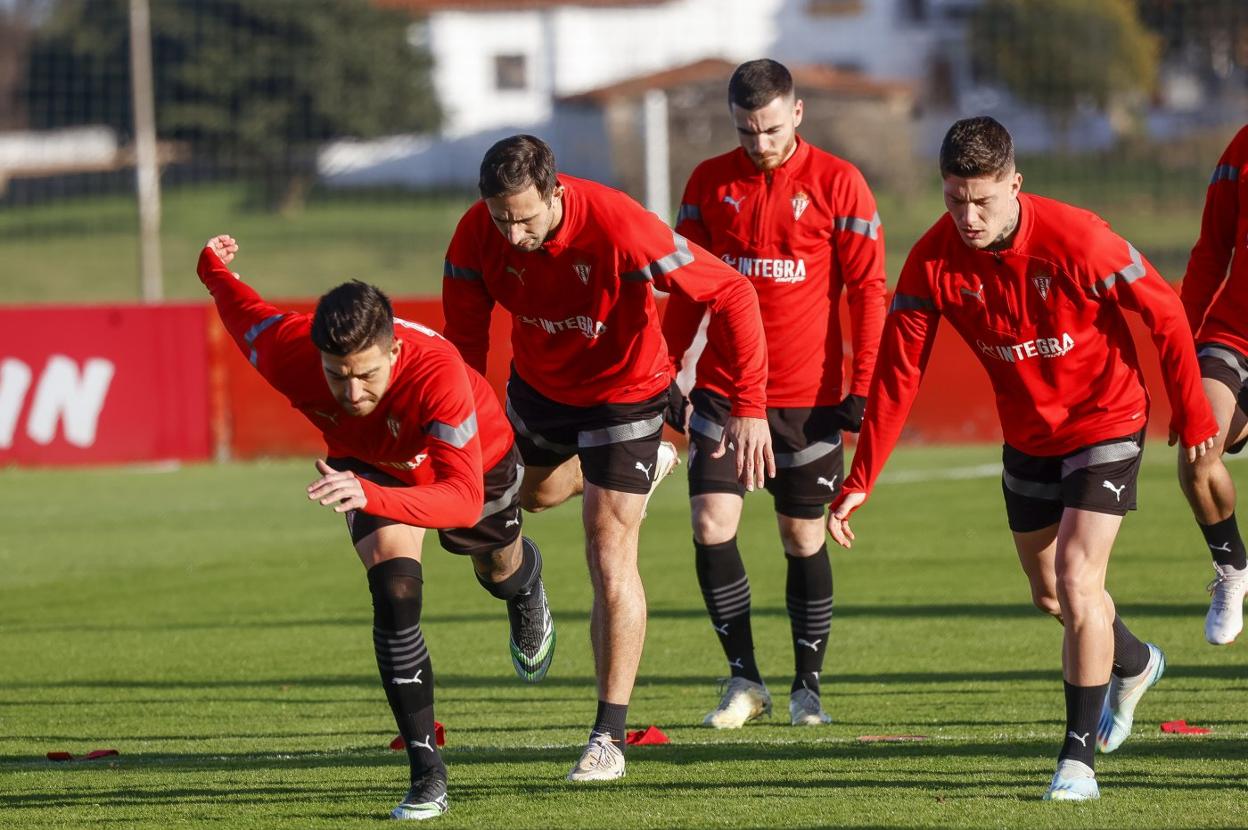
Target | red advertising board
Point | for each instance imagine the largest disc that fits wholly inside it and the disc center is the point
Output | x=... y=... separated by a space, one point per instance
x=126 y=383
x=87 y=385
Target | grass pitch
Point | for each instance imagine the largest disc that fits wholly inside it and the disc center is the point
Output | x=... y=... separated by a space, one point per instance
x=214 y=627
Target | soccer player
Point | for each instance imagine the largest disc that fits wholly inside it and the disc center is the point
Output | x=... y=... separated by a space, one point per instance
x=1220 y=319
x=574 y=262
x=1037 y=289
x=802 y=225
x=409 y=430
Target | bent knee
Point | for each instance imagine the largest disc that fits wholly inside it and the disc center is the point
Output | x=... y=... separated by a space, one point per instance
x=1048 y=604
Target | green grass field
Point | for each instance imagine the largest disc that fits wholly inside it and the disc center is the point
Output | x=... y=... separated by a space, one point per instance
x=214 y=627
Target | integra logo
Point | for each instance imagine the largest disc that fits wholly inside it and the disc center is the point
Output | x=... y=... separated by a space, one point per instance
x=779 y=270
x=586 y=326
x=1040 y=347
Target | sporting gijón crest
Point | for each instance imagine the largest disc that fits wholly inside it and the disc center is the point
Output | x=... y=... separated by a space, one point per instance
x=800 y=202
x=393 y=424
x=582 y=271
x=1042 y=282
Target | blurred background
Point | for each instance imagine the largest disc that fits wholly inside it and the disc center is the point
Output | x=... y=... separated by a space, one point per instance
x=341 y=139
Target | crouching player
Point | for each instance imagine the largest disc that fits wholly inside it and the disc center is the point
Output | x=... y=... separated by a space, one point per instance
x=409 y=430
x=1038 y=289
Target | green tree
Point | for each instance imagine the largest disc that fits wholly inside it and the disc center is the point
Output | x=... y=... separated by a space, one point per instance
x=252 y=85
x=1062 y=54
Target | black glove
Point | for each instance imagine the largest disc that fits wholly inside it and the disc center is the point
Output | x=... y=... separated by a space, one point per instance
x=677 y=406
x=850 y=411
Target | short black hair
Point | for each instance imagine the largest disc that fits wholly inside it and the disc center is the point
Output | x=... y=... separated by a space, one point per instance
x=351 y=318
x=977 y=147
x=756 y=84
x=515 y=163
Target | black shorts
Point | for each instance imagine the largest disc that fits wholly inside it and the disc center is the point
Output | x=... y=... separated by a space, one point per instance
x=497 y=527
x=618 y=443
x=810 y=457
x=1230 y=368
x=1100 y=477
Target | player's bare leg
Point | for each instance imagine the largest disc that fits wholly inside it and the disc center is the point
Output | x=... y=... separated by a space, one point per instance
x=391 y=553
x=547 y=487
x=808 y=597
x=1210 y=491
x=617 y=622
x=726 y=591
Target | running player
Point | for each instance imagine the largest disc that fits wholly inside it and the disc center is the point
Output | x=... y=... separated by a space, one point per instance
x=409 y=430
x=802 y=225
x=1037 y=289
x=574 y=262
x=1220 y=319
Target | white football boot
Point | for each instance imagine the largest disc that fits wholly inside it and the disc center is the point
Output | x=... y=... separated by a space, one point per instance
x=743 y=701
x=602 y=760
x=1226 y=605
x=664 y=463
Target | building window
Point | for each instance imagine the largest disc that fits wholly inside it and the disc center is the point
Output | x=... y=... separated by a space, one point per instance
x=510 y=72
x=834 y=8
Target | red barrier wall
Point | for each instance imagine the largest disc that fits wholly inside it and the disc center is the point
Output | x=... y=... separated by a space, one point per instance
x=140 y=383
x=86 y=385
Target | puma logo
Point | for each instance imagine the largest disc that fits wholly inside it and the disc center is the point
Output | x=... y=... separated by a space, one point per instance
x=645 y=469
x=722 y=629
x=1117 y=490
x=812 y=646
x=408 y=681
x=977 y=294
x=518 y=274
x=736 y=203
x=831 y=485
x=512 y=522
x=736 y=664
x=1225 y=547
x=1082 y=740
x=427 y=743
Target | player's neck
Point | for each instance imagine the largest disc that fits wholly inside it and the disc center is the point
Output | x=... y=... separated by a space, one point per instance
x=1006 y=238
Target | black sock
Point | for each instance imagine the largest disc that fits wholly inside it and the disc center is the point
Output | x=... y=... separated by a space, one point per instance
x=403 y=660
x=726 y=591
x=1225 y=543
x=611 y=720
x=808 y=595
x=1130 y=654
x=524 y=578
x=1083 y=712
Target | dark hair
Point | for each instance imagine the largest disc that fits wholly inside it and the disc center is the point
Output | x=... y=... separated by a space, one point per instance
x=352 y=317
x=756 y=84
x=976 y=147
x=514 y=163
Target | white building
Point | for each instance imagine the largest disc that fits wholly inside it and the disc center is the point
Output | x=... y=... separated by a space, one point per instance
x=500 y=66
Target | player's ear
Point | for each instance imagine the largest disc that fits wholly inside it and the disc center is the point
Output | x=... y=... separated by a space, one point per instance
x=797 y=113
x=557 y=193
x=395 y=345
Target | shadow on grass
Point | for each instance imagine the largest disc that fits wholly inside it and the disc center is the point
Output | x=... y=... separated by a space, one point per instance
x=992 y=610
x=953 y=769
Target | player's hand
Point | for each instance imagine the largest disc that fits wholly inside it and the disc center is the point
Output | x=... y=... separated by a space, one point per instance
x=850 y=411
x=342 y=490
x=223 y=246
x=838 y=516
x=751 y=438
x=1199 y=450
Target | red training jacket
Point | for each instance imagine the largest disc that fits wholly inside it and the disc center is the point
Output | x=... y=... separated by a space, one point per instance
x=437 y=426
x=585 y=329
x=799 y=233
x=1045 y=319
x=1222 y=316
